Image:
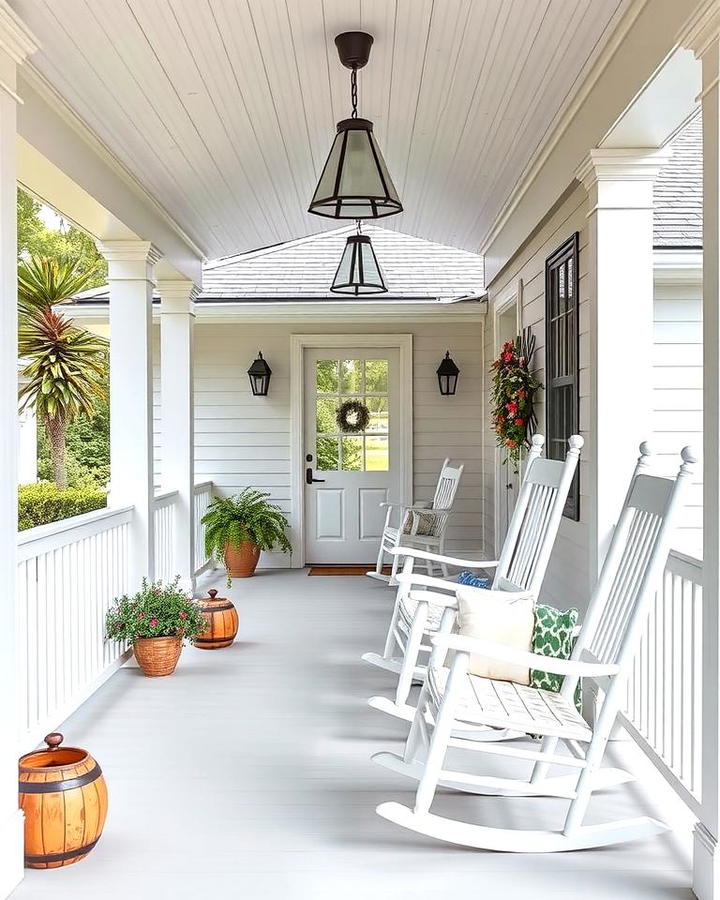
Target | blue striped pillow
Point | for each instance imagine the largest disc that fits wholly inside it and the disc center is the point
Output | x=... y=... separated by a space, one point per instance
x=473 y=580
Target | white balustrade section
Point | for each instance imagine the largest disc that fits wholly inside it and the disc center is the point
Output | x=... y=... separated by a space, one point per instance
x=69 y=573
x=664 y=702
x=203 y=496
x=164 y=512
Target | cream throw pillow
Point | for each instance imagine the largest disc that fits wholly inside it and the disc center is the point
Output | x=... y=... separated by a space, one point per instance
x=482 y=614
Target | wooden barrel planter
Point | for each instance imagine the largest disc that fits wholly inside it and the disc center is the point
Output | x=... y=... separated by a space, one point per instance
x=64 y=798
x=222 y=619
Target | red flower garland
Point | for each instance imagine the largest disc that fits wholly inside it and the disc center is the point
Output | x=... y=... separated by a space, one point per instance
x=513 y=393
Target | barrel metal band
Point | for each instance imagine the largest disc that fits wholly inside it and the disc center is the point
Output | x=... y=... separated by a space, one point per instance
x=61 y=857
x=212 y=609
x=53 y=787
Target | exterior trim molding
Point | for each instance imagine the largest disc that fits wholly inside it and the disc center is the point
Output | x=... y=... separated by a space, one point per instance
x=16 y=39
x=608 y=164
x=702 y=30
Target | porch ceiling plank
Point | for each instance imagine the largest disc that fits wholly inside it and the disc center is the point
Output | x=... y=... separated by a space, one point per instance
x=223 y=112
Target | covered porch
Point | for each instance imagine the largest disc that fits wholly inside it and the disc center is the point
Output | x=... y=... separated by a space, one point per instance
x=249 y=770
x=255 y=775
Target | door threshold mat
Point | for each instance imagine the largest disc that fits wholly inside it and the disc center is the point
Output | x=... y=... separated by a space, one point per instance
x=344 y=570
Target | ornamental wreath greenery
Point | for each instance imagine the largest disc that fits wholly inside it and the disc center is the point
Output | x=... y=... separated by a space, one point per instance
x=157 y=610
x=352 y=417
x=513 y=395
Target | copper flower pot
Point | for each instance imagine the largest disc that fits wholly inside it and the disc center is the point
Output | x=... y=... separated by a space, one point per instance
x=242 y=561
x=158 y=656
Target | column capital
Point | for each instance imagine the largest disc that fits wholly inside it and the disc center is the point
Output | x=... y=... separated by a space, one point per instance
x=702 y=30
x=177 y=295
x=130 y=260
x=16 y=39
x=612 y=165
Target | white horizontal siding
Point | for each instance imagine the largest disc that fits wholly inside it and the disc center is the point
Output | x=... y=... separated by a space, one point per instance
x=566 y=582
x=677 y=393
x=242 y=440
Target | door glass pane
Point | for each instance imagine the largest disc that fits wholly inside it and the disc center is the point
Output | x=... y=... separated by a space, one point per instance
x=352 y=454
x=327 y=454
x=325 y=418
x=378 y=407
x=351 y=376
x=377 y=456
x=376 y=376
x=327 y=376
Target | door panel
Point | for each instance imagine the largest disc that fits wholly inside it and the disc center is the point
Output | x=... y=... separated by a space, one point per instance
x=353 y=472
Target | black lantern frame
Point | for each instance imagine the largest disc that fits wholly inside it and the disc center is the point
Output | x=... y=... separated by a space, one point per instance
x=447 y=373
x=259 y=374
x=358 y=273
x=355 y=182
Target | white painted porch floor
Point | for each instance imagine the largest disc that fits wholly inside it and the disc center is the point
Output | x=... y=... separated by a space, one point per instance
x=247 y=774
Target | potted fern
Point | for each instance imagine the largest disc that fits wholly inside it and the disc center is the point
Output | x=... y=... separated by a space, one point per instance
x=238 y=528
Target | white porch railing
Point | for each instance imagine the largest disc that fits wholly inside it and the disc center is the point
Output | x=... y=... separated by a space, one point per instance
x=664 y=705
x=164 y=515
x=68 y=574
x=203 y=496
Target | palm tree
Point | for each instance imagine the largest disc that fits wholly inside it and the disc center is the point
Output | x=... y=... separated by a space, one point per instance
x=65 y=364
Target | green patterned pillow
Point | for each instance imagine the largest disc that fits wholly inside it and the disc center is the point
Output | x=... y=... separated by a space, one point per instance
x=553 y=636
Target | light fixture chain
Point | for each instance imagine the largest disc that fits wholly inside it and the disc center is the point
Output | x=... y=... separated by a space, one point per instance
x=353 y=93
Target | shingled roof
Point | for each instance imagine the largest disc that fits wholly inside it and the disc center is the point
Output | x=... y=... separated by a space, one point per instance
x=678 y=192
x=303 y=270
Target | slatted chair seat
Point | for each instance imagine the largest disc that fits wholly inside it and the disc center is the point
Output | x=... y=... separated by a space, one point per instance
x=517 y=707
x=406 y=612
x=395 y=534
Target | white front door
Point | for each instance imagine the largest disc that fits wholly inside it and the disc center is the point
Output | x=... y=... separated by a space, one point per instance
x=352 y=473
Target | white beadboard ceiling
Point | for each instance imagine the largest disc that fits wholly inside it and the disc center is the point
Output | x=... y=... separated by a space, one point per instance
x=224 y=110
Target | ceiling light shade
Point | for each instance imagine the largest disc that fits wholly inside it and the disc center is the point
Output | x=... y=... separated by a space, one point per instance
x=358 y=273
x=355 y=181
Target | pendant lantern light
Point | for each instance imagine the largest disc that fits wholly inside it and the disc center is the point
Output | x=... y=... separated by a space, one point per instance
x=259 y=374
x=358 y=273
x=355 y=182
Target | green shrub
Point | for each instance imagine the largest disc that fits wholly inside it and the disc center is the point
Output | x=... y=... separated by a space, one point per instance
x=42 y=502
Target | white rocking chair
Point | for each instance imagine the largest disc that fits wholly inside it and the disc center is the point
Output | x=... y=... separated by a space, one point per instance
x=426 y=524
x=521 y=568
x=453 y=698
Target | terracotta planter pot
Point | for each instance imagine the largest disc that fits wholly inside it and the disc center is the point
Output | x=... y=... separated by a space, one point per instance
x=64 y=798
x=159 y=655
x=222 y=623
x=242 y=561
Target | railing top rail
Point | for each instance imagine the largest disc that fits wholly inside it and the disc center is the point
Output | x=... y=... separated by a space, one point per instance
x=686 y=566
x=165 y=498
x=201 y=486
x=43 y=538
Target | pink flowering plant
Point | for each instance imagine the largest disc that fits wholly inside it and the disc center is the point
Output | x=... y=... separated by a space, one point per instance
x=513 y=394
x=157 y=610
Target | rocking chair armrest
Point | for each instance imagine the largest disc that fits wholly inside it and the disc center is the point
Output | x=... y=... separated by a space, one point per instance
x=448 y=601
x=449 y=560
x=465 y=644
x=412 y=578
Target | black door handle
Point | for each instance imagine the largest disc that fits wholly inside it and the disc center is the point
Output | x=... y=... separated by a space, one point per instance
x=309 y=476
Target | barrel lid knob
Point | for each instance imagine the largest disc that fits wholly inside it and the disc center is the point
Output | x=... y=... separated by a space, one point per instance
x=53 y=740
x=213 y=593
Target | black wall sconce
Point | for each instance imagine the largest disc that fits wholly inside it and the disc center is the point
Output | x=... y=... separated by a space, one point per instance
x=447 y=373
x=259 y=374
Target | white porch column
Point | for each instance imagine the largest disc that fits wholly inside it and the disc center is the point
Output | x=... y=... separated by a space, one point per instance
x=27 y=440
x=706 y=865
x=619 y=266
x=177 y=318
x=131 y=279
x=16 y=44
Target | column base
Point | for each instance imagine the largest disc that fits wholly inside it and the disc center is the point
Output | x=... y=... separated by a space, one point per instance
x=12 y=840
x=706 y=868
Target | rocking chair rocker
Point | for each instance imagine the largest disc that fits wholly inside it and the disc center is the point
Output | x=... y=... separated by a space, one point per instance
x=521 y=568
x=420 y=525
x=454 y=698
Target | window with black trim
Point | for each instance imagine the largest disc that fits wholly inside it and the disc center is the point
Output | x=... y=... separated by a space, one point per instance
x=562 y=371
